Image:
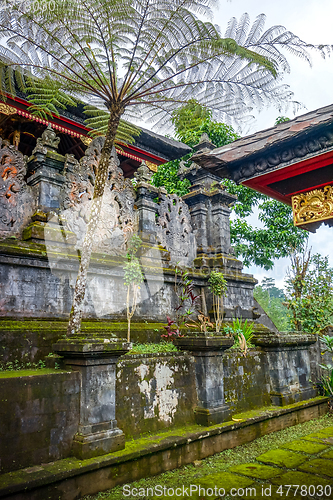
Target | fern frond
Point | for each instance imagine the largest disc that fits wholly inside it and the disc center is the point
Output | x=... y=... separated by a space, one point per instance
x=98 y=121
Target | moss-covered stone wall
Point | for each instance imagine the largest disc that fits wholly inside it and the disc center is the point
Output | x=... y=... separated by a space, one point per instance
x=245 y=384
x=39 y=410
x=155 y=392
x=39 y=415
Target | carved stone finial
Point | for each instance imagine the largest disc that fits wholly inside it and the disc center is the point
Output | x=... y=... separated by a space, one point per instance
x=49 y=140
x=205 y=144
x=143 y=174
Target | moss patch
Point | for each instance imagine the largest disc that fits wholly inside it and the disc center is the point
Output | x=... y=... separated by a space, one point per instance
x=318 y=436
x=328 y=454
x=282 y=458
x=305 y=447
x=298 y=478
x=256 y=470
x=225 y=480
x=319 y=466
x=27 y=373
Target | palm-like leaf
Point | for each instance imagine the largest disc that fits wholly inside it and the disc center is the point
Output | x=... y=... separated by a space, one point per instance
x=137 y=56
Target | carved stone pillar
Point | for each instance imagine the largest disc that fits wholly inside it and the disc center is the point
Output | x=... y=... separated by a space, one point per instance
x=220 y=226
x=147 y=208
x=209 y=206
x=288 y=365
x=95 y=359
x=208 y=365
x=45 y=168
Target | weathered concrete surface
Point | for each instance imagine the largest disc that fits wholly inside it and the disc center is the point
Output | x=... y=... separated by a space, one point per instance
x=35 y=283
x=39 y=417
x=71 y=479
x=155 y=392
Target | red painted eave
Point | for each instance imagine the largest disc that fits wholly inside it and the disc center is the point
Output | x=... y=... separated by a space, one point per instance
x=261 y=182
x=79 y=129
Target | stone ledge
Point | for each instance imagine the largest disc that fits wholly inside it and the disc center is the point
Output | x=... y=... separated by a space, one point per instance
x=181 y=447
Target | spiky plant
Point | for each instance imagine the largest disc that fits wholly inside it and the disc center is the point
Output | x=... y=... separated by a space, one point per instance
x=126 y=56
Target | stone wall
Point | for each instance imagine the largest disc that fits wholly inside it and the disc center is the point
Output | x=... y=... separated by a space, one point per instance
x=39 y=416
x=44 y=212
x=155 y=392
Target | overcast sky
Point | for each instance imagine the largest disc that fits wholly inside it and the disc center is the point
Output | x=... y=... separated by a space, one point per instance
x=311 y=20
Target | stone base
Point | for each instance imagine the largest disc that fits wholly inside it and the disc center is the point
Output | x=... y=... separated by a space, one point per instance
x=99 y=443
x=212 y=416
x=288 y=398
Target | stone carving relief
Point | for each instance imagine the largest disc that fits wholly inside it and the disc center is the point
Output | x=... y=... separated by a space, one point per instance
x=16 y=201
x=143 y=173
x=118 y=217
x=176 y=233
x=49 y=140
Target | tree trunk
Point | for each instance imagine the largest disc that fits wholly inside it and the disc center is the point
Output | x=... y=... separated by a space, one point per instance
x=74 y=325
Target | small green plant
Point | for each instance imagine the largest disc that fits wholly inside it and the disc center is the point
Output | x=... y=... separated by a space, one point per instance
x=243 y=333
x=186 y=303
x=133 y=279
x=163 y=346
x=218 y=287
x=327 y=377
x=17 y=365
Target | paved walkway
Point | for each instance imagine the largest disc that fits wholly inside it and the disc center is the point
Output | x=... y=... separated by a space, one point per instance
x=301 y=469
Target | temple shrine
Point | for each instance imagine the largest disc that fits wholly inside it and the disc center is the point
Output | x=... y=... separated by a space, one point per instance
x=291 y=162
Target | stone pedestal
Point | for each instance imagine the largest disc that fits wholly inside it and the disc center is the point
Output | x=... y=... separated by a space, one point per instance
x=95 y=359
x=208 y=364
x=288 y=366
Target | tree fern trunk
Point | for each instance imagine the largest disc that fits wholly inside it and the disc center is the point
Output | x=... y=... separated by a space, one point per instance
x=74 y=325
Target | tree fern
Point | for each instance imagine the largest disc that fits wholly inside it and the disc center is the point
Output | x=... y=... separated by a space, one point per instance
x=143 y=58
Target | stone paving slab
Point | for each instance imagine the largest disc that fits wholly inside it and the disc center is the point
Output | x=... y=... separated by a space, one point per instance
x=320 y=466
x=257 y=471
x=295 y=477
x=279 y=480
x=282 y=458
x=305 y=446
x=328 y=454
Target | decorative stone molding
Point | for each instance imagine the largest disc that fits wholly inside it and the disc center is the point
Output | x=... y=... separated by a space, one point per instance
x=118 y=219
x=16 y=201
x=176 y=233
x=284 y=156
x=313 y=206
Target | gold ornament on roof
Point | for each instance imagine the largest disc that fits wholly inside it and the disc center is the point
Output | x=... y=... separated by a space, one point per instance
x=151 y=166
x=313 y=206
x=86 y=140
x=7 y=110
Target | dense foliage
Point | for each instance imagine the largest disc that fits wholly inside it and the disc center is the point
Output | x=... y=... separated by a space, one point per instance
x=272 y=300
x=310 y=292
x=255 y=245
